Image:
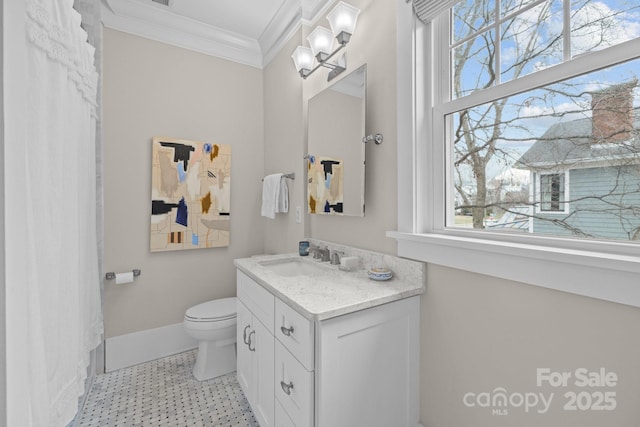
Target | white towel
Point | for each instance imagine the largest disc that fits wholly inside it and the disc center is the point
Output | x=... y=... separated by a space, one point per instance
x=283 y=197
x=271 y=194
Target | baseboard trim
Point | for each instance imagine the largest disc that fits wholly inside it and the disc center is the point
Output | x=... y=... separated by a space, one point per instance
x=138 y=347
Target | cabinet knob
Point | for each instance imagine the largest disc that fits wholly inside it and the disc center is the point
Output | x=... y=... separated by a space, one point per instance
x=287 y=387
x=287 y=331
x=249 y=343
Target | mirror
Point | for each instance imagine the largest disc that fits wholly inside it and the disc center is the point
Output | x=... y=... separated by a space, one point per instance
x=335 y=166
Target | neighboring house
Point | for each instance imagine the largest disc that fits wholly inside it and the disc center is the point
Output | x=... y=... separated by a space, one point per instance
x=585 y=174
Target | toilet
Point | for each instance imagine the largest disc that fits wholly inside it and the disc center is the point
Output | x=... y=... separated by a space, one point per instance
x=213 y=325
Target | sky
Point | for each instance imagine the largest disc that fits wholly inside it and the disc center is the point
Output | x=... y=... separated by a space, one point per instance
x=532 y=113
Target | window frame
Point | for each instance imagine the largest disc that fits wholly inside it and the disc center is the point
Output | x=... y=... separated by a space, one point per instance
x=606 y=270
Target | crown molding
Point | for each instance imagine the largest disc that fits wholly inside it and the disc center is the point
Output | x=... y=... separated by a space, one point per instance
x=313 y=10
x=281 y=28
x=165 y=26
x=161 y=24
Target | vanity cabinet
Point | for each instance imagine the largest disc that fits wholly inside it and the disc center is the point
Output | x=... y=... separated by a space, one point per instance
x=368 y=368
x=356 y=369
x=255 y=344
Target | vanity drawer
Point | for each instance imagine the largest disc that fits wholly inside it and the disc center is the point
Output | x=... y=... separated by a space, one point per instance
x=294 y=388
x=296 y=333
x=257 y=299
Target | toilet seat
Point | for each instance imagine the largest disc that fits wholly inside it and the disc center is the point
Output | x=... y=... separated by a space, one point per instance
x=213 y=311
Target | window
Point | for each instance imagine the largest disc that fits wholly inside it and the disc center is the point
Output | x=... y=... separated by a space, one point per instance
x=515 y=106
x=552 y=192
x=519 y=144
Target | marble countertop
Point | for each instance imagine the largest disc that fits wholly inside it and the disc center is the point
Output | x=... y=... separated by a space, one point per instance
x=329 y=294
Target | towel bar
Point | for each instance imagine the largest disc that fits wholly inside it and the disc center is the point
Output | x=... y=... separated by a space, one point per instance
x=291 y=175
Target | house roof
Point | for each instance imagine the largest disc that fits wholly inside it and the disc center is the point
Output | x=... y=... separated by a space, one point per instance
x=569 y=143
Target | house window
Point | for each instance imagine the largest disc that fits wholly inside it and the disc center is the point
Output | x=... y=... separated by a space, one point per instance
x=552 y=192
x=528 y=87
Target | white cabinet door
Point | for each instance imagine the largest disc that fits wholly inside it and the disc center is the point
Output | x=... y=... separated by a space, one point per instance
x=255 y=343
x=282 y=418
x=367 y=367
x=244 y=370
x=262 y=348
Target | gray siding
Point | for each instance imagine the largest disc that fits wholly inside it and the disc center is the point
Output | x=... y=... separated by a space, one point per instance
x=605 y=203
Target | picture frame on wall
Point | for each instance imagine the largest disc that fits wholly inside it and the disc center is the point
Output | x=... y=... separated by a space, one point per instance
x=190 y=195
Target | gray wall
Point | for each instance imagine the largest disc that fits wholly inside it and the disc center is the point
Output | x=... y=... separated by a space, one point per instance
x=153 y=89
x=284 y=145
x=14 y=391
x=3 y=339
x=480 y=333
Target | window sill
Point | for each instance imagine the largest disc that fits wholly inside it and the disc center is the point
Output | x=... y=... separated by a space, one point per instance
x=610 y=277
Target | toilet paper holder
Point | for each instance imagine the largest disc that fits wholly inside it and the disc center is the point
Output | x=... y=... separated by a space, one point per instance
x=111 y=275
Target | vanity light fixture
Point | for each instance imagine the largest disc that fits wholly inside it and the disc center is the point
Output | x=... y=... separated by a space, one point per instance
x=342 y=20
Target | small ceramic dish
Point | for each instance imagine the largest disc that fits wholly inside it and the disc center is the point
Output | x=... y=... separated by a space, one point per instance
x=380 y=274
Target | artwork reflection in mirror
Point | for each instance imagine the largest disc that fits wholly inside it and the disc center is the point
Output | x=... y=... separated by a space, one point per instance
x=335 y=164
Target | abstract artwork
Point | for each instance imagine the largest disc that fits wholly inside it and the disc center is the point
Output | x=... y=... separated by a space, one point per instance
x=190 y=195
x=325 y=186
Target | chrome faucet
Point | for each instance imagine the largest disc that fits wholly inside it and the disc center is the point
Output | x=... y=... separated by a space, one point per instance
x=335 y=257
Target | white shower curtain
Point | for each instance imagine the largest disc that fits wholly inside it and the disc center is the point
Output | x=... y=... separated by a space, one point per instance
x=64 y=321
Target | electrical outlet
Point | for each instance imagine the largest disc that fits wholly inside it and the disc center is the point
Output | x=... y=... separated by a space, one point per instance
x=298 y=214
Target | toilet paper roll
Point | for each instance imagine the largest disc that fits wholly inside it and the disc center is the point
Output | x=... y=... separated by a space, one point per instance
x=122 y=278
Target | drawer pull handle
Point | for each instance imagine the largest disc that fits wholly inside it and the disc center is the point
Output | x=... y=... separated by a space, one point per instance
x=244 y=335
x=287 y=331
x=249 y=343
x=286 y=387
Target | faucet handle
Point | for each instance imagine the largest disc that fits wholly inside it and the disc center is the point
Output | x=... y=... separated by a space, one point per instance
x=322 y=254
x=317 y=252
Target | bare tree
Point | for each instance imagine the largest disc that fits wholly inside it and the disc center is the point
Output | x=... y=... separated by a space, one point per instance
x=480 y=134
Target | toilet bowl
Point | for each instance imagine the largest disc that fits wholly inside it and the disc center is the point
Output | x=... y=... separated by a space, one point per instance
x=213 y=325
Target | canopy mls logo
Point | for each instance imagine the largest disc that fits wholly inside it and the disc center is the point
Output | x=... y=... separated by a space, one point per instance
x=500 y=401
x=594 y=393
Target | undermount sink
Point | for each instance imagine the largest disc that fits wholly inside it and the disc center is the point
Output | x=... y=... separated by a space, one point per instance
x=291 y=267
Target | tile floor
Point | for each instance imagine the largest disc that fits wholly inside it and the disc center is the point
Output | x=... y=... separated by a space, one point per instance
x=164 y=393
